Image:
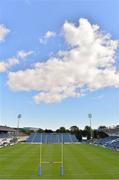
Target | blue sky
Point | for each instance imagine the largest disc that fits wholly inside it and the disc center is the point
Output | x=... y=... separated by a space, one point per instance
x=29 y=21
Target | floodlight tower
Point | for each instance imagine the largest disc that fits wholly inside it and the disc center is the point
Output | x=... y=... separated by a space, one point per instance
x=18 y=120
x=90 y=119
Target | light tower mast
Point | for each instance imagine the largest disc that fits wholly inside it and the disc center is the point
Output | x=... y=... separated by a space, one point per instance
x=18 y=121
x=90 y=119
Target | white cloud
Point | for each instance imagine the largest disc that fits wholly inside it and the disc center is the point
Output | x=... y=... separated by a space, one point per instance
x=3 y=32
x=23 y=54
x=89 y=65
x=5 y=65
x=47 y=35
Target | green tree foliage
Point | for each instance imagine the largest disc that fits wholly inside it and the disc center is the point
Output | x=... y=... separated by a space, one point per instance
x=40 y=130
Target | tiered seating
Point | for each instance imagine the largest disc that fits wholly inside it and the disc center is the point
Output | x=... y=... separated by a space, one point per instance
x=30 y=138
x=67 y=138
x=4 y=135
x=52 y=138
x=74 y=139
x=55 y=138
x=44 y=138
x=106 y=141
x=113 y=144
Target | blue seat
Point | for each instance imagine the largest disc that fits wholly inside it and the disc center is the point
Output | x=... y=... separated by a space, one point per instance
x=51 y=138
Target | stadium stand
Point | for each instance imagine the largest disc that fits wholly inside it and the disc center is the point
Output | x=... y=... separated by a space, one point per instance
x=113 y=131
x=51 y=138
x=105 y=141
x=7 y=135
x=114 y=144
x=111 y=142
x=3 y=135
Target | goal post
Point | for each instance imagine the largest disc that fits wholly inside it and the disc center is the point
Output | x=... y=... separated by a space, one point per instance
x=62 y=158
x=40 y=165
x=61 y=162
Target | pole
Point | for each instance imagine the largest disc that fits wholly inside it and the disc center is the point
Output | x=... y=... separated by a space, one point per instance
x=90 y=119
x=40 y=166
x=18 y=120
x=62 y=158
x=41 y=150
x=62 y=151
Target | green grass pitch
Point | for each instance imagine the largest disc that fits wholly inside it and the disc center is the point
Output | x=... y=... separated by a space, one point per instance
x=81 y=161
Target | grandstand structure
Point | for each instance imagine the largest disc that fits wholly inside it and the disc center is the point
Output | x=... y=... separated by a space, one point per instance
x=52 y=138
x=113 y=131
x=7 y=130
x=111 y=142
x=7 y=135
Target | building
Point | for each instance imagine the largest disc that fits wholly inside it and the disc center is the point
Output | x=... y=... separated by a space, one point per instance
x=7 y=130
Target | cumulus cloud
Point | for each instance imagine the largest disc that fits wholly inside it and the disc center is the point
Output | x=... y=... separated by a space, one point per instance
x=47 y=35
x=5 y=65
x=88 y=65
x=23 y=54
x=3 y=32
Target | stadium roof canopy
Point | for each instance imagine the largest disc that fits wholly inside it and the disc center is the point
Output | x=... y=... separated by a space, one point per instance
x=7 y=129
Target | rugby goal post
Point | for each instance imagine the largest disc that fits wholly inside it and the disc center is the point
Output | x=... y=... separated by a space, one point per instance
x=54 y=162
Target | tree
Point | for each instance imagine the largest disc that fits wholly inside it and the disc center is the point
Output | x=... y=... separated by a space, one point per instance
x=27 y=131
x=40 y=130
x=102 y=134
x=102 y=128
x=48 y=131
x=74 y=129
x=61 y=130
x=78 y=135
x=95 y=134
x=87 y=130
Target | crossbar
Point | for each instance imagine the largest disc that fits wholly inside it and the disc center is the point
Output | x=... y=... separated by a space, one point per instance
x=48 y=162
x=52 y=162
x=57 y=162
